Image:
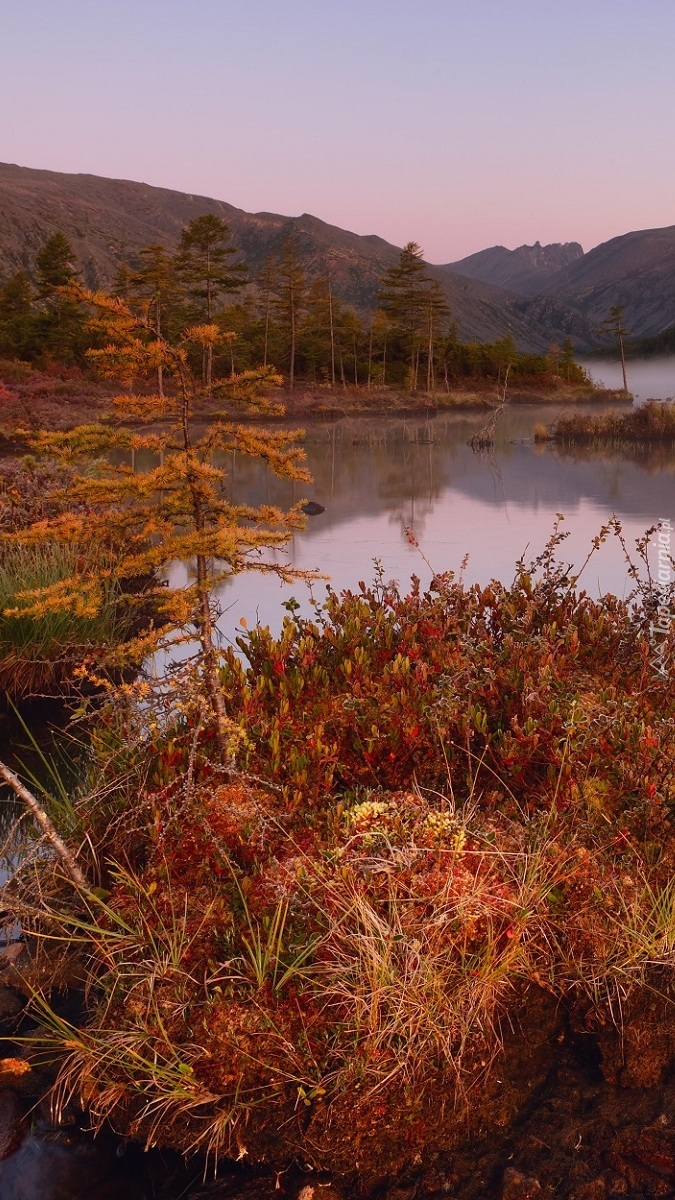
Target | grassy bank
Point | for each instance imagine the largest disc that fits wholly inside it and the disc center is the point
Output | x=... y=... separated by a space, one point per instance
x=433 y=807
x=32 y=400
x=47 y=629
x=40 y=650
x=652 y=423
x=483 y=396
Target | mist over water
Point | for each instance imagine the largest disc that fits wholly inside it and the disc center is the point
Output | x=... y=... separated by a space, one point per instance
x=648 y=378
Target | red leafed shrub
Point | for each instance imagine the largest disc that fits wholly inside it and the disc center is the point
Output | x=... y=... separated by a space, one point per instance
x=432 y=803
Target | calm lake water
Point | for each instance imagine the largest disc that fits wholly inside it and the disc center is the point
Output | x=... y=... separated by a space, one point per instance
x=378 y=478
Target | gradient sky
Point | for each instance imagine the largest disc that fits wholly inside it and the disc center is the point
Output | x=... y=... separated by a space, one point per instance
x=457 y=123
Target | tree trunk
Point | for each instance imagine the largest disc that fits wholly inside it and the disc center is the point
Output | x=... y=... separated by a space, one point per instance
x=158 y=332
x=332 y=335
x=623 y=362
x=291 y=371
x=267 y=329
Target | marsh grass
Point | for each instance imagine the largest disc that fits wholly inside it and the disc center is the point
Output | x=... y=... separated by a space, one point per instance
x=646 y=424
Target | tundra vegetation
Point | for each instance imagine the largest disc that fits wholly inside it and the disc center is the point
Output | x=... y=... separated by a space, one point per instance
x=429 y=808
x=317 y=879
x=649 y=424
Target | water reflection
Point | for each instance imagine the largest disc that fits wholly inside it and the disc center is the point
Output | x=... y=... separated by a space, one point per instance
x=379 y=477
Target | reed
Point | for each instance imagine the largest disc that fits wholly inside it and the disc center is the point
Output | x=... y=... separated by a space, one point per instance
x=646 y=424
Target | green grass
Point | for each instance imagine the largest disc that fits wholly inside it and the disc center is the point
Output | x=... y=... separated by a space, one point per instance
x=39 y=649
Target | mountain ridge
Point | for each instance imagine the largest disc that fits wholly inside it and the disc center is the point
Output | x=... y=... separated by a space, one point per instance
x=539 y=294
x=525 y=269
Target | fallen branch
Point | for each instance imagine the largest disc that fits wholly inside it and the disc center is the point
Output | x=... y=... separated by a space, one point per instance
x=46 y=825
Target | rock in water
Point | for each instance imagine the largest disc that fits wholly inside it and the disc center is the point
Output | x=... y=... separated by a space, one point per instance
x=312 y=509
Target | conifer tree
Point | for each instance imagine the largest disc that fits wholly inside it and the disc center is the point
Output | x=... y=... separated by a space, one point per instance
x=568 y=362
x=17 y=317
x=320 y=331
x=290 y=300
x=265 y=283
x=437 y=317
x=55 y=264
x=206 y=270
x=155 y=282
x=615 y=327
x=378 y=341
x=404 y=297
x=176 y=510
x=61 y=325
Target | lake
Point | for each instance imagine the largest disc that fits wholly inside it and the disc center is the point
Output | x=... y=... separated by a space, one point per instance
x=379 y=477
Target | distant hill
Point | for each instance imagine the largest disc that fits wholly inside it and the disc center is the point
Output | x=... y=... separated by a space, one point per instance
x=636 y=269
x=108 y=219
x=540 y=294
x=526 y=269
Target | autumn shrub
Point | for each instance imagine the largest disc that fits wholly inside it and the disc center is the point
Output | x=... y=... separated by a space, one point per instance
x=31 y=490
x=431 y=804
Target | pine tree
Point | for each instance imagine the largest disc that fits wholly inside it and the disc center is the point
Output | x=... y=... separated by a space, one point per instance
x=61 y=324
x=568 y=363
x=55 y=264
x=290 y=300
x=155 y=283
x=437 y=317
x=614 y=326
x=17 y=317
x=265 y=284
x=320 y=329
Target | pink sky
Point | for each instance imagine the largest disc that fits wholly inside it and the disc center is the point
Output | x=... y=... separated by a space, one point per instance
x=457 y=123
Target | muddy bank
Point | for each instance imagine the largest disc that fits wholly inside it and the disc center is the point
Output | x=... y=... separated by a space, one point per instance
x=564 y=1112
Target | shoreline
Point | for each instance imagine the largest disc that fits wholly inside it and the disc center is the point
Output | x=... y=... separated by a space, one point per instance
x=33 y=401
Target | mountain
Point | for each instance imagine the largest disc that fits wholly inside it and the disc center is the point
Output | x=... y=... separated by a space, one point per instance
x=526 y=269
x=636 y=269
x=106 y=221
